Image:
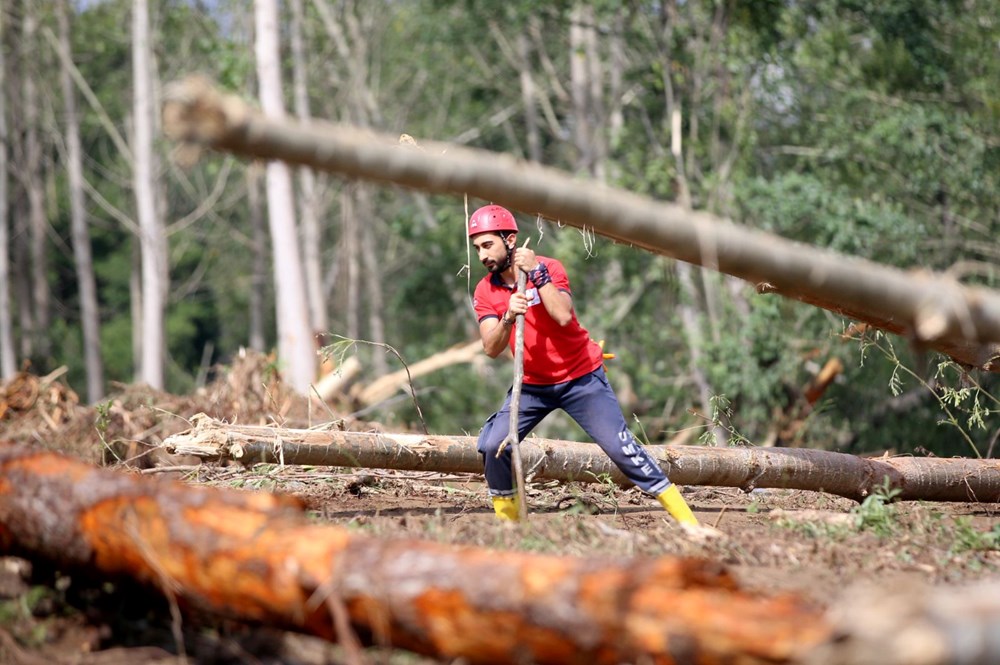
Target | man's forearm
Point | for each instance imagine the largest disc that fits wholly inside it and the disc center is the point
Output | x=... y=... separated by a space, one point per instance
x=557 y=303
x=498 y=337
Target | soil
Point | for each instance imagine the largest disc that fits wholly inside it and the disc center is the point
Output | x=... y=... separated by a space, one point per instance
x=807 y=543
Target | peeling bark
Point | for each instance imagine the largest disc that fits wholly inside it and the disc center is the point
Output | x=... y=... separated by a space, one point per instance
x=257 y=558
x=928 y=479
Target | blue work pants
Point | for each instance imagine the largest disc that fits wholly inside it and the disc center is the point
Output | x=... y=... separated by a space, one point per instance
x=592 y=403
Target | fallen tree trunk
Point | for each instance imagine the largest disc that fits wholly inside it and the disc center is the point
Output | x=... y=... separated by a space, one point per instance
x=929 y=479
x=933 y=310
x=257 y=558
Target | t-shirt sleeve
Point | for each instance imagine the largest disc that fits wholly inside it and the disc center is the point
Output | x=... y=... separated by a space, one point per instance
x=557 y=273
x=482 y=304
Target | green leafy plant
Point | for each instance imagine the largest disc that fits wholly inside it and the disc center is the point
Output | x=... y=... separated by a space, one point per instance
x=338 y=350
x=721 y=418
x=965 y=404
x=877 y=513
x=967 y=538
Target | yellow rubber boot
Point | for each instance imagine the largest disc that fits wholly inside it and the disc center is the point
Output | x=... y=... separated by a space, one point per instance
x=675 y=504
x=506 y=508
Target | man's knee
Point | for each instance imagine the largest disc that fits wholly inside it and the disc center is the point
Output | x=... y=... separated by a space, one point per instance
x=488 y=446
x=490 y=438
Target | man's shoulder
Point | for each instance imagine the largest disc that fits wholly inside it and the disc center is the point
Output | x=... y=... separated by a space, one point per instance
x=485 y=287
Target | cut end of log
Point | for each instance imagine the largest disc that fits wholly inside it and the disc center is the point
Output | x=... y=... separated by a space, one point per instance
x=196 y=113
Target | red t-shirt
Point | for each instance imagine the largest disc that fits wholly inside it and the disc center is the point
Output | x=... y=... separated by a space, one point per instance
x=552 y=353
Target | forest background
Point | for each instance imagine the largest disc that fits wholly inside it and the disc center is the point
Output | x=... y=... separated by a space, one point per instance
x=868 y=128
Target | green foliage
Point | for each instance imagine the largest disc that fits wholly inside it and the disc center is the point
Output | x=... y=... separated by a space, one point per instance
x=963 y=405
x=877 y=512
x=968 y=539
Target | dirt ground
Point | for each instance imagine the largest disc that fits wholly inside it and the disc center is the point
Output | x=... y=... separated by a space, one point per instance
x=808 y=543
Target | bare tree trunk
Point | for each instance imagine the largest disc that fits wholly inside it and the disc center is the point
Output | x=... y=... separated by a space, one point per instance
x=312 y=243
x=153 y=241
x=745 y=467
x=595 y=80
x=528 y=98
x=372 y=281
x=932 y=310
x=258 y=274
x=33 y=184
x=350 y=246
x=135 y=305
x=692 y=324
x=89 y=314
x=8 y=357
x=580 y=89
x=296 y=347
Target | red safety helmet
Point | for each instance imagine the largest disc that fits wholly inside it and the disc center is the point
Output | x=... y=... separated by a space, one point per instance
x=491 y=218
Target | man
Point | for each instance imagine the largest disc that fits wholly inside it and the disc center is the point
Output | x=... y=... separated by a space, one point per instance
x=563 y=367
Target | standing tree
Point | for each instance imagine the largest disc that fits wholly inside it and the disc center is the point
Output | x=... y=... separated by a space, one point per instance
x=89 y=315
x=153 y=241
x=296 y=349
x=35 y=189
x=8 y=359
x=308 y=201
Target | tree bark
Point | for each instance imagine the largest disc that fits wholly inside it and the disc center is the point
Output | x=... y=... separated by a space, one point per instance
x=928 y=479
x=40 y=295
x=89 y=314
x=257 y=557
x=258 y=249
x=296 y=349
x=309 y=200
x=152 y=240
x=933 y=310
x=196 y=545
x=8 y=356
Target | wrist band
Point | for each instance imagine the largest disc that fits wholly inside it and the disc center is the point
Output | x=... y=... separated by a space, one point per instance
x=539 y=276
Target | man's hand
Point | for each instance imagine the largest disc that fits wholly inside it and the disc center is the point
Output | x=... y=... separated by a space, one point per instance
x=525 y=259
x=518 y=304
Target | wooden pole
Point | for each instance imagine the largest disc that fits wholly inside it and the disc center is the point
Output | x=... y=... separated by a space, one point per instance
x=515 y=403
x=746 y=467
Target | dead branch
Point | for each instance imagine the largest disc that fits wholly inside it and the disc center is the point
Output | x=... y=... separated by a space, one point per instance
x=387 y=385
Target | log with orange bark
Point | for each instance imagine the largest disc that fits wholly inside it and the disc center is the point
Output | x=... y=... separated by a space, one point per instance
x=256 y=557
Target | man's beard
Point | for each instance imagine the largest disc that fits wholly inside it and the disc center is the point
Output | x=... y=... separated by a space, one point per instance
x=500 y=266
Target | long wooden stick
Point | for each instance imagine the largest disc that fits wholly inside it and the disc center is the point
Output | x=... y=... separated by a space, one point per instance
x=515 y=403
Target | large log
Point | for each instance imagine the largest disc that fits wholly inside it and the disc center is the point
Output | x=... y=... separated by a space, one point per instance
x=932 y=310
x=256 y=557
x=929 y=479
